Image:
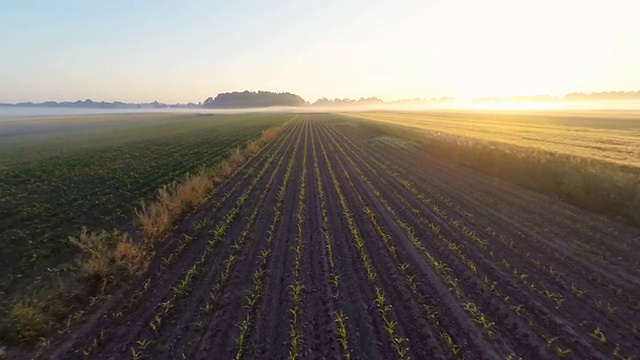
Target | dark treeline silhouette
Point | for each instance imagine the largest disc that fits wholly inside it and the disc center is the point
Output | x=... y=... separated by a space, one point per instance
x=250 y=99
x=256 y=99
x=90 y=104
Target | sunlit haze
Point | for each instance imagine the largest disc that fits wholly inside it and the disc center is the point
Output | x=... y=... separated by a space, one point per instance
x=174 y=51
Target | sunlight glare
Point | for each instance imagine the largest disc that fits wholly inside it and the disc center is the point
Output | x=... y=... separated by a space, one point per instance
x=538 y=46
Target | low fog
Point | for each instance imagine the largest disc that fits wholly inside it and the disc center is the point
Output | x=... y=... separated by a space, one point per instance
x=21 y=113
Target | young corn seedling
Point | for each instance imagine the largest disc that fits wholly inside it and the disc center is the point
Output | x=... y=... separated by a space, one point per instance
x=143 y=344
x=135 y=354
x=599 y=336
x=617 y=353
x=454 y=349
x=342 y=334
x=562 y=352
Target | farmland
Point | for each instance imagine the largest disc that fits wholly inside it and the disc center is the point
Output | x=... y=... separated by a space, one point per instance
x=57 y=175
x=602 y=135
x=340 y=240
x=590 y=159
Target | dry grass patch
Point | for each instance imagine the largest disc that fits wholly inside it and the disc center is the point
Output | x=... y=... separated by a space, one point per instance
x=166 y=196
x=237 y=157
x=253 y=147
x=109 y=258
x=226 y=169
x=193 y=192
x=269 y=134
x=153 y=219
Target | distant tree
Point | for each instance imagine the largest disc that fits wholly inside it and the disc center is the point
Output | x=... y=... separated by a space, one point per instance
x=250 y=99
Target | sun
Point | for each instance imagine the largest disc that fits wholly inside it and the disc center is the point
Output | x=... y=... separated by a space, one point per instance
x=532 y=51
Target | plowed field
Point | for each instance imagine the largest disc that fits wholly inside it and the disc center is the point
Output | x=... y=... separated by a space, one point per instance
x=337 y=242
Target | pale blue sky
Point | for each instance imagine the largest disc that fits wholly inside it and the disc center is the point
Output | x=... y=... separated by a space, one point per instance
x=180 y=51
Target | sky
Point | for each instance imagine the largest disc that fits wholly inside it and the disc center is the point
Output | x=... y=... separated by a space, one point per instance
x=186 y=51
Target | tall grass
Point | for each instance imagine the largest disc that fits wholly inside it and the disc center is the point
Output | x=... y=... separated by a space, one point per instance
x=237 y=157
x=253 y=147
x=154 y=218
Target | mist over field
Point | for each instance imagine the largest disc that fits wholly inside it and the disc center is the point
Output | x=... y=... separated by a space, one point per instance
x=43 y=112
x=13 y=113
x=337 y=179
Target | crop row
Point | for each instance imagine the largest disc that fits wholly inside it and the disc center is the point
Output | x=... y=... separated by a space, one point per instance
x=182 y=285
x=553 y=342
x=531 y=251
x=429 y=308
x=296 y=287
x=256 y=293
x=440 y=266
x=198 y=227
x=397 y=342
x=237 y=246
x=52 y=196
x=334 y=276
x=218 y=233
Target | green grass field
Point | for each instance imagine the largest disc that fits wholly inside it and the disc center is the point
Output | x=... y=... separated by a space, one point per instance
x=57 y=175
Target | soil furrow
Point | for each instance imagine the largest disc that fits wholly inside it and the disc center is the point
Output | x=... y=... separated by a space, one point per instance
x=337 y=240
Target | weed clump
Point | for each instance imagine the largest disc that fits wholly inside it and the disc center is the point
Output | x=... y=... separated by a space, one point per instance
x=154 y=218
x=269 y=134
x=109 y=258
x=28 y=318
x=237 y=157
x=253 y=147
